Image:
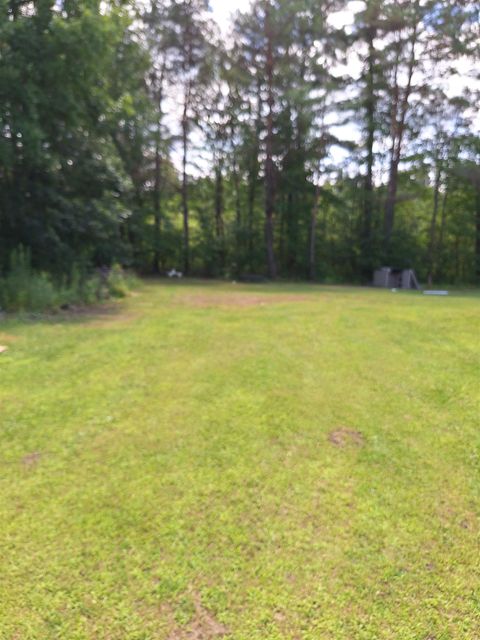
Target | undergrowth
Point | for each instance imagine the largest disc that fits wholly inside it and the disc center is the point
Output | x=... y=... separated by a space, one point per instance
x=23 y=288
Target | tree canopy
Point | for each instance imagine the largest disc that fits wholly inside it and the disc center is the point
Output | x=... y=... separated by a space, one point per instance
x=292 y=146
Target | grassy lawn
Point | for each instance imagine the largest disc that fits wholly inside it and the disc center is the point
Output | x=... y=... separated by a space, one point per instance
x=247 y=462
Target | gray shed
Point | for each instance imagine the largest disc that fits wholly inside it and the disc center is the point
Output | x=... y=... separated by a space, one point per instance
x=395 y=278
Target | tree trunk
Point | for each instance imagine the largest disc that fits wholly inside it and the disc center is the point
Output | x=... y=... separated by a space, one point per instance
x=457 y=258
x=400 y=104
x=312 y=264
x=157 y=208
x=219 y=222
x=433 y=225
x=186 y=230
x=269 y=165
x=238 y=210
x=282 y=223
x=157 y=187
x=252 y=189
x=253 y=175
x=390 y=203
x=370 y=119
x=477 y=233
x=291 y=235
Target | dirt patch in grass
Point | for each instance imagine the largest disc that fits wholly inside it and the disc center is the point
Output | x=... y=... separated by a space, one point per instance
x=114 y=319
x=203 y=626
x=5 y=338
x=454 y=513
x=240 y=301
x=101 y=309
x=344 y=436
x=99 y=315
x=31 y=459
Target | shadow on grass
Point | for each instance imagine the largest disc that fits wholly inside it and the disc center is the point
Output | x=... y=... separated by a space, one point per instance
x=73 y=315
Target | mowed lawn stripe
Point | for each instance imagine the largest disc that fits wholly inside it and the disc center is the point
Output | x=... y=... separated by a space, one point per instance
x=258 y=462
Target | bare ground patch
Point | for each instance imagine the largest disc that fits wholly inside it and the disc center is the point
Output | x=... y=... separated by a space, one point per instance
x=99 y=315
x=6 y=338
x=344 y=436
x=81 y=311
x=455 y=513
x=31 y=459
x=115 y=319
x=203 y=626
x=240 y=300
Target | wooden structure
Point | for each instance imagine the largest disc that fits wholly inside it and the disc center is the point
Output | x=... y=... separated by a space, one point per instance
x=395 y=278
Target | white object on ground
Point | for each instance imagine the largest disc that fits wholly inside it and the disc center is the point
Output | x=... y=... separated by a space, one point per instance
x=174 y=274
x=2 y=348
x=435 y=293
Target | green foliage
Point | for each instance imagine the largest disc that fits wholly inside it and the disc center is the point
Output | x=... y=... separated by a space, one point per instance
x=65 y=190
x=119 y=283
x=23 y=289
x=132 y=135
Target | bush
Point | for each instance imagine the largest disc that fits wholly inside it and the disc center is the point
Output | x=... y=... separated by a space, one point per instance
x=23 y=289
x=116 y=282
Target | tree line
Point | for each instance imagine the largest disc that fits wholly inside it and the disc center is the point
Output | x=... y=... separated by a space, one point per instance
x=292 y=146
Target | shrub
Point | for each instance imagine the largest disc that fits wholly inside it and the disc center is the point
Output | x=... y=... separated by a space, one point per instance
x=119 y=282
x=23 y=289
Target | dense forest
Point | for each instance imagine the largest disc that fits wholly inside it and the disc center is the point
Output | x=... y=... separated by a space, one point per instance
x=142 y=134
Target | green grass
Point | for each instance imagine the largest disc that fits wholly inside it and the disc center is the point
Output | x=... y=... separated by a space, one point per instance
x=262 y=462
